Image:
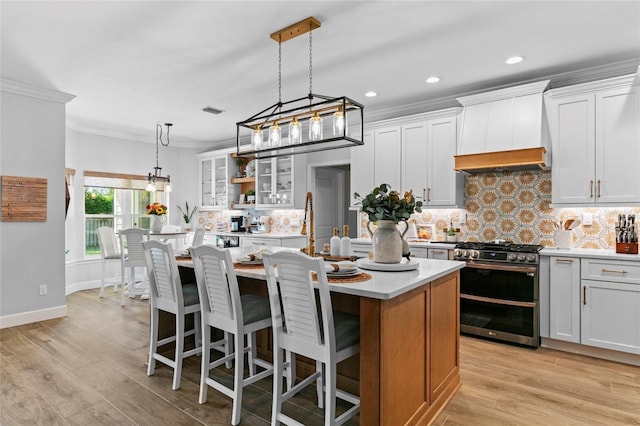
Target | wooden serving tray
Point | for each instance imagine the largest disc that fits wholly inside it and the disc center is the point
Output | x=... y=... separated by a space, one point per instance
x=330 y=258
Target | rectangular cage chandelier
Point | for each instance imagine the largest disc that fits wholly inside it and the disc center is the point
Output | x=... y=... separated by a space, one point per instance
x=308 y=124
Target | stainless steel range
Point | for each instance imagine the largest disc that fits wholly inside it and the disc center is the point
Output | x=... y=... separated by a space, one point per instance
x=499 y=290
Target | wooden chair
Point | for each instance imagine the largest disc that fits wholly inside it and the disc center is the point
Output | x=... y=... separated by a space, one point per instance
x=308 y=326
x=132 y=239
x=168 y=294
x=109 y=251
x=222 y=307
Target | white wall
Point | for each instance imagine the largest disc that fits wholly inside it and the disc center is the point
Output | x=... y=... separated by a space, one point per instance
x=106 y=154
x=32 y=253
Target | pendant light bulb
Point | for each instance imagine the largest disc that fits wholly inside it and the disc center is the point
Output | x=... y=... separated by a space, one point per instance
x=339 y=122
x=295 y=131
x=274 y=134
x=257 y=138
x=315 y=127
x=167 y=186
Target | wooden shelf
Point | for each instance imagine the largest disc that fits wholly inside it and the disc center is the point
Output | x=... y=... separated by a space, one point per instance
x=242 y=206
x=243 y=180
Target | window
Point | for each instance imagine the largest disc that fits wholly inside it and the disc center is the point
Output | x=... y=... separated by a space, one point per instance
x=118 y=201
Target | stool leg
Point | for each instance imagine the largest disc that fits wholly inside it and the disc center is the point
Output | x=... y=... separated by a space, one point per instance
x=277 y=385
x=177 y=371
x=204 y=366
x=153 y=341
x=238 y=378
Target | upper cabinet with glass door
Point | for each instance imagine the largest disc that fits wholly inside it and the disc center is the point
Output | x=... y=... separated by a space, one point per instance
x=214 y=180
x=275 y=183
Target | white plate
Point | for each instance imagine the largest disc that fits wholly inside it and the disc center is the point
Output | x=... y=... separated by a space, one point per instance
x=404 y=265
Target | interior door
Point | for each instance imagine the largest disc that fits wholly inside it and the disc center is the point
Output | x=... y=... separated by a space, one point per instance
x=329 y=203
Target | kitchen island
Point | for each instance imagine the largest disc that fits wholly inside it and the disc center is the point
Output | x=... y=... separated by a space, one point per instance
x=409 y=338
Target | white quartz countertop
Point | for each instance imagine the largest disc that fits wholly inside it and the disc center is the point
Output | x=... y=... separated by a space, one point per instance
x=256 y=235
x=590 y=253
x=413 y=243
x=383 y=285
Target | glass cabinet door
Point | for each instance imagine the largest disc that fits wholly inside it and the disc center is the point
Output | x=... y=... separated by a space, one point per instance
x=206 y=176
x=220 y=189
x=274 y=184
x=283 y=181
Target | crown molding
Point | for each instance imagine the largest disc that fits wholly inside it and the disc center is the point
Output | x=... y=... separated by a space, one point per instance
x=34 y=91
x=579 y=76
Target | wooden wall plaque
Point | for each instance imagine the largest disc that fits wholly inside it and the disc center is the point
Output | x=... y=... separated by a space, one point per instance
x=24 y=199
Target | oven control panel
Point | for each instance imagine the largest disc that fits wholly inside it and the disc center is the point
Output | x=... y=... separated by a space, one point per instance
x=495 y=256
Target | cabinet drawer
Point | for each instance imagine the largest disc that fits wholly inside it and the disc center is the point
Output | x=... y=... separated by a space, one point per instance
x=420 y=252
x=251 y=241
x=611 y=270
x=442 y=254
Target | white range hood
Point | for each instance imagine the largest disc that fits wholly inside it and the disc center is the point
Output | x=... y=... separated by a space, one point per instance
x=504 y=129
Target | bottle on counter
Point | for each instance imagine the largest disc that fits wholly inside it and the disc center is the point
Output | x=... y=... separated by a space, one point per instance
x=334 y=244
x=345 y=242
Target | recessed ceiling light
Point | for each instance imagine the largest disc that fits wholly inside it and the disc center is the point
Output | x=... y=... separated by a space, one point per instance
x=371 y=94
x=514 y=60
x=433 y=79
x=212 y=110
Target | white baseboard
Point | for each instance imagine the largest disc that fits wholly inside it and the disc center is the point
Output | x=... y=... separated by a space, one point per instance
x=86 y=285
x=608 y=354
x=33 y=316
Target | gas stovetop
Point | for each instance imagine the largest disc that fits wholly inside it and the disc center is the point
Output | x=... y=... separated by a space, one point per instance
x=497 y=252
x=525 y=248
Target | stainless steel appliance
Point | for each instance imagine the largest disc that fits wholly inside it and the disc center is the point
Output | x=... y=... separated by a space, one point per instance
x=237 y=224
x=224 y=241
x=499 y=290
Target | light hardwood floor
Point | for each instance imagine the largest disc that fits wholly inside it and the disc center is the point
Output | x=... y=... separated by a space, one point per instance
x=89 y=368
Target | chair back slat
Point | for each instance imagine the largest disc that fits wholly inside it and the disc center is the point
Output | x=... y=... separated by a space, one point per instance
x=294 y=287
x=217 y=284
x=132 y=239
x=163 y=277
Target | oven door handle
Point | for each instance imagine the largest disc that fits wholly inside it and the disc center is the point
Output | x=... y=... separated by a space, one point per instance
x=509 y=268
x=499 y=301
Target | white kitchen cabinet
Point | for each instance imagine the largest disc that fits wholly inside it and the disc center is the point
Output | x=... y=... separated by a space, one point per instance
x=564 y=298
x=213 y=175
x=611 y=315
x=411 y=153
x=387 y=157
x=362 y=176
x=275 y=183
x=595 y=129
x=377 y=161
x=441 y=254
x=611 y=304
x=428 y=149
x=257 y=242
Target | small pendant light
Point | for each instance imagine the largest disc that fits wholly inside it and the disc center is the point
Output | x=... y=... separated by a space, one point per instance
x=257 y=138
x=295 y=131
x=315 y=127
x=339 y=122
x=275 y=135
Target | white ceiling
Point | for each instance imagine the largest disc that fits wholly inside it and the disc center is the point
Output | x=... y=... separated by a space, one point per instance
x=134 y=63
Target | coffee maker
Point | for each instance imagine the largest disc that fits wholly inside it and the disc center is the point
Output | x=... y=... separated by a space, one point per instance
x=236 y=224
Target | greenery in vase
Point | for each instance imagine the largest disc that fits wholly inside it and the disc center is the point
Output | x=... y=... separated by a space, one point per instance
x=186 y=215
x=384 y=204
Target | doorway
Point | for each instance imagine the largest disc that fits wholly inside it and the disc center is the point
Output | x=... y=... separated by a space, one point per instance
x=331 y=186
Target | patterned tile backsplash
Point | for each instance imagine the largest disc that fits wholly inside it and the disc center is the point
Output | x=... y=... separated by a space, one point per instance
x=513 y=206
